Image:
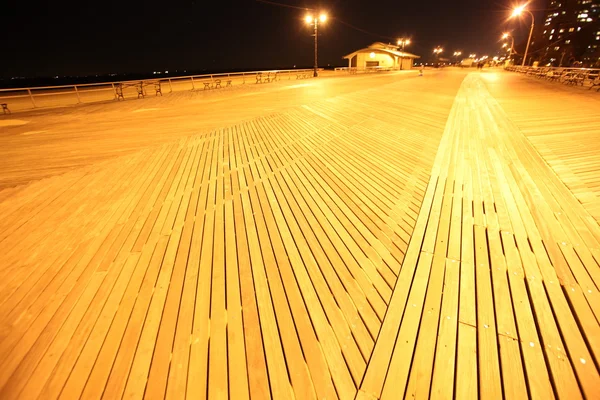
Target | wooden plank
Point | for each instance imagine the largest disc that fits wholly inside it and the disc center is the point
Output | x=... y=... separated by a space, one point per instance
x=444 y=368
x=421 y=371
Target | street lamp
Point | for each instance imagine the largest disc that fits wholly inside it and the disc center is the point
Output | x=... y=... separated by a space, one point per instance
x=512 y=45
x=456 y=55
x=437 y=51
x=403 y=42
x=310 y=19
x=516 y=12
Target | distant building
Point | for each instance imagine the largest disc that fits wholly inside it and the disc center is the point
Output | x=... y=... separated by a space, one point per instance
x=381 y=55
x=569 y=33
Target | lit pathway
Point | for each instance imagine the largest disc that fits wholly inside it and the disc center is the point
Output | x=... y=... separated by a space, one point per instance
x=259 y=260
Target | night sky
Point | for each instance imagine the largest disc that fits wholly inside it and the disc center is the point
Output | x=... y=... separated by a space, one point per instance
x=77 y=38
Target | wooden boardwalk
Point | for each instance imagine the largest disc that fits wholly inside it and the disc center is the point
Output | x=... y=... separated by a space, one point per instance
x=568 y=139
x=368 y=245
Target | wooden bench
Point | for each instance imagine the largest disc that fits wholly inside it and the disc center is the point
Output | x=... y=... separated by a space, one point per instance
x=139 y=87
x=575 y=78
x=119 y=91
x=554 y=75
x=595 y=82
x=5 y=109
x=215 y=84
x=265 y=77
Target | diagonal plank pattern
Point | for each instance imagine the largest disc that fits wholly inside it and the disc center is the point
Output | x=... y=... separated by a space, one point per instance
x=568 y=138
x=368 y=244
x=252 y=261
x=498 y=292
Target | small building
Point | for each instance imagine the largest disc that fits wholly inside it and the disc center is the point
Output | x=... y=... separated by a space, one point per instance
x=382 y=56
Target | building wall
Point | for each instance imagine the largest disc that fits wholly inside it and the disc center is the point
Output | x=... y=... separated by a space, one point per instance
x=570 y=31
x=385 y=60
x=407 y=63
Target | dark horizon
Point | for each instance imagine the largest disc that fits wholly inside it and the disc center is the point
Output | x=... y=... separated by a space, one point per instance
x=70 y=39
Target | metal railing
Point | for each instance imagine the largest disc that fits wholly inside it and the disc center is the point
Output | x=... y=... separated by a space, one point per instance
x=367 y=70
x=20 y=99
x=586 y=77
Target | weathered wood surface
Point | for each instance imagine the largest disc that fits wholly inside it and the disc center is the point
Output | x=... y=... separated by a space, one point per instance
x=563 y=125
x=365 y=242
x=502 y=264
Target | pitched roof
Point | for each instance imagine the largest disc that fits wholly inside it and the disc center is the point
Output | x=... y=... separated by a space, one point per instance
x=370 y=49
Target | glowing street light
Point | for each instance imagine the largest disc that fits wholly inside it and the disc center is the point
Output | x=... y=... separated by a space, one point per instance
x=507 y=35
x=517 y=12
x=456 y=55
x=438 y=50
x=311 y=19
x=403 y=42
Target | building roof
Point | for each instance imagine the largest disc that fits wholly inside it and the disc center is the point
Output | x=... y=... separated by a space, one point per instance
x=378 y=48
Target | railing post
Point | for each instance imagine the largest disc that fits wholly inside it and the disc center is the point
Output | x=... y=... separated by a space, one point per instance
x=77 y=92
x=193 y=87
x=114 y=90
x=243 y=78
x=170 y=86
x=31 y=96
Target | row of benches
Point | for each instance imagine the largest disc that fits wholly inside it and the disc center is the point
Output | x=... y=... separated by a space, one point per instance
x=141 y=88
x=573 y=77
x=216 y=84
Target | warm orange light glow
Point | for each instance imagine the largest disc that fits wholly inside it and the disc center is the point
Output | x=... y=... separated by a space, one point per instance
x=518 y=10
x=323 y=17
x=505 y=35
x=308 y=19
x=372 y=55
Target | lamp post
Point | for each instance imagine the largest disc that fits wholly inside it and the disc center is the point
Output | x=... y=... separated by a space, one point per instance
x=456 y=55
x=516 y=12
x=437 y=51
x=512 y=44
x=315 y=21
x=403 y=42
